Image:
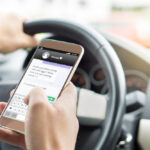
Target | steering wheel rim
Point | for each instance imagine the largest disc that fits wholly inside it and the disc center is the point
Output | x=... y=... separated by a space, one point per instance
x=106 y=56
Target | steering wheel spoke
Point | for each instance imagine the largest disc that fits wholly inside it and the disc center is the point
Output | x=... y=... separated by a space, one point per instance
x=91 y=110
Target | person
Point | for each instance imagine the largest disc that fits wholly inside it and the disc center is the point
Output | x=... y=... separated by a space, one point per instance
x=47 y=126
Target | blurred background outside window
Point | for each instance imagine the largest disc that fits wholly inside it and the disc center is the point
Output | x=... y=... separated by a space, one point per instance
x=125 y=18
x=130 y=19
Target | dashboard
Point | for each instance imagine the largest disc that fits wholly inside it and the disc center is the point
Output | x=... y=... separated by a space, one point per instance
x=95 y=79
x=136 y=80
x=135 y=61
x=91 y=79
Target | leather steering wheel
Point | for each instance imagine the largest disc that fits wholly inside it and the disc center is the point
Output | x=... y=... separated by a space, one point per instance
x=100 y=126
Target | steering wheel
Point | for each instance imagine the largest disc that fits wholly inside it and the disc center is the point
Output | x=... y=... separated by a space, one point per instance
x=100 y=116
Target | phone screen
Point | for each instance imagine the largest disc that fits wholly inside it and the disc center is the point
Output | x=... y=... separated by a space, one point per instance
x=49 y=69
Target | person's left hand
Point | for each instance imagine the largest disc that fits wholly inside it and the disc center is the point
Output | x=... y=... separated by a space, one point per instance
x=9 y=136
x=12 y=36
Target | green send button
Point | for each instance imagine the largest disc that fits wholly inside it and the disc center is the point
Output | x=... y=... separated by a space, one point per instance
x=51 y=98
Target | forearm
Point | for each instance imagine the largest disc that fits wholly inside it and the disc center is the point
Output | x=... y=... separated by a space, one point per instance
x=3 y=46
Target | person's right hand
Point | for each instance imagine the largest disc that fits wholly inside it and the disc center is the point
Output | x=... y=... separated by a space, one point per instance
x=48 y=126
x=51 y=126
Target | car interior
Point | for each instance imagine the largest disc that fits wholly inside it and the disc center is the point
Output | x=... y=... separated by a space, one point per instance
x=112 y=81
x=112 y=92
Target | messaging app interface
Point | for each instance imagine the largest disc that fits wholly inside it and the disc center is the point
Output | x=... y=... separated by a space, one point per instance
x=48 y=70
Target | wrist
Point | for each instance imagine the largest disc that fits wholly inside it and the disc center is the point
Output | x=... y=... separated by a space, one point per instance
x=6 y=46
x=62 y=146
x=2 y=46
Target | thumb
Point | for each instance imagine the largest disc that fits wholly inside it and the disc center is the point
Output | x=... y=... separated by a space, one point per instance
x=2 y=106
x=68 y=97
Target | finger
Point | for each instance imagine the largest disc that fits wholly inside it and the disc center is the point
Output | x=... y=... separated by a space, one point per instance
x=25 y=18
x=12 y=92
x=11 y=137
x=68 y=97
x=2 y=106
x=35 y=96
x=29 y=41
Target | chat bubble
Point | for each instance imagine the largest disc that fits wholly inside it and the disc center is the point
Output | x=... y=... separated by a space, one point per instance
x=42 y=72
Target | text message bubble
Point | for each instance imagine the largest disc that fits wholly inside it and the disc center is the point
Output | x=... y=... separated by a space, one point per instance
x=42 y=72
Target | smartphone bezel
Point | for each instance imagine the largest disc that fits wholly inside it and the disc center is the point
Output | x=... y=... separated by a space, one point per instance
x=18 y=126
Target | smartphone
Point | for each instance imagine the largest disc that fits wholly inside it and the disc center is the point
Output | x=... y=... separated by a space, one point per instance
x=51 y=68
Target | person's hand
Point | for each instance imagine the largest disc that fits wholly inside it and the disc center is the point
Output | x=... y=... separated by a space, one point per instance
x=51 y=126
x=9 y=136
x=12 y=36
x=48 y=126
